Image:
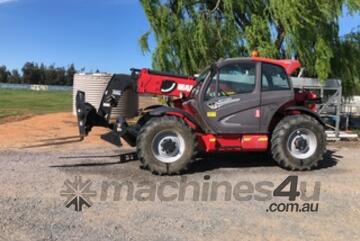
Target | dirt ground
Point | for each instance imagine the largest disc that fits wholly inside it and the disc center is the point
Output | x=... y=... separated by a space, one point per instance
x=35 y=163
x=54 y=131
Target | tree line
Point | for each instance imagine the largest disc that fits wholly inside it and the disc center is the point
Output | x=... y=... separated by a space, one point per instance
x=33 y=73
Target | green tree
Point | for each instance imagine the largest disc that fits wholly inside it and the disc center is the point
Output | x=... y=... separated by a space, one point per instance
x=42 y=74
x=60 y=76
x=31 y=73
x=347 y=62
x=4 y=74
x=70 y=72
x=51 y=75
x=191 y=34
x=15 y=77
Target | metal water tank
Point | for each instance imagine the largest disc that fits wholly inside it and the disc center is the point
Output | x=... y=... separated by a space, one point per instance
x=94 y=86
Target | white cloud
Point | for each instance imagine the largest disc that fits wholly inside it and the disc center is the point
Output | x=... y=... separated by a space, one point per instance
x=7 y=1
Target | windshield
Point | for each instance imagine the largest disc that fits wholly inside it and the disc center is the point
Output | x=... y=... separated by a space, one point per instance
x=200 y=80
x=203 y=75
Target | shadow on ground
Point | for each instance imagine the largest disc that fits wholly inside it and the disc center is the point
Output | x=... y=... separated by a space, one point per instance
x=55 y=142
x=209 y=162
x=246 y=160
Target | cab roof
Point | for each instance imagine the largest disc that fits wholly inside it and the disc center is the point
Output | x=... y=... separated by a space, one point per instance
x=289 y=65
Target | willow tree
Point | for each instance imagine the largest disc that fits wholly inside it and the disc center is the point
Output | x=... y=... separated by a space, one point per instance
x=191 y=34
x=346 y=62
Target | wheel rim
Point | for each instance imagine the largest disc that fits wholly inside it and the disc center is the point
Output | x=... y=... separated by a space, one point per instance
x=302 y=143
x=168 y=146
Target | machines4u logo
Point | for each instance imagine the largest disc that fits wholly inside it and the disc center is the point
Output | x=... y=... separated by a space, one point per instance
x=291 y=189
x=289 y=195
x=78 y=193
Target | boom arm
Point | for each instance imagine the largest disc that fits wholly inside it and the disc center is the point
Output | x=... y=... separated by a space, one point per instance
x=159 y=83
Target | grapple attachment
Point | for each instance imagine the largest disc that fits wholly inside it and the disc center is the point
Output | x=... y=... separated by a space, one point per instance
x=89 y=117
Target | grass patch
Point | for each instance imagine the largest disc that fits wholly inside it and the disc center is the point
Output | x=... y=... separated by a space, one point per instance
x=17 y=103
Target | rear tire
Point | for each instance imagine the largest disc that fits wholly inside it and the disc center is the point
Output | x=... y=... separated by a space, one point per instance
x=298 y=142
x=166 y=145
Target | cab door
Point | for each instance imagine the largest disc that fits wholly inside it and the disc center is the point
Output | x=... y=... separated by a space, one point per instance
x=276 y=92
x=230 y=101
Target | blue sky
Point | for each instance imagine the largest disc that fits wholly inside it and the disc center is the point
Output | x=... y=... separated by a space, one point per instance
x=95 y=34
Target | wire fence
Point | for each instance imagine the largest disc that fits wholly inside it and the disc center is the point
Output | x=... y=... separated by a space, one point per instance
x=35 y=87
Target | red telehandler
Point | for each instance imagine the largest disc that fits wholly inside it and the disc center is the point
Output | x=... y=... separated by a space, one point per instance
x=235 y=105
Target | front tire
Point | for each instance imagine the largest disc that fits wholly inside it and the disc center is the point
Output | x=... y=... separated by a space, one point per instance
x=298 y=142
x=166 y=145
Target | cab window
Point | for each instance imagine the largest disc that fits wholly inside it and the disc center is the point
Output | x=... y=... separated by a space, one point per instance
x=273 y=78
x=233 y=79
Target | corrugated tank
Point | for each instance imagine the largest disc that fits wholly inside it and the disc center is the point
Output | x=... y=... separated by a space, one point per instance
x=94 y=86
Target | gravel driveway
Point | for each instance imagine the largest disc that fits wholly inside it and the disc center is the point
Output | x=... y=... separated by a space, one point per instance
x=31 y=207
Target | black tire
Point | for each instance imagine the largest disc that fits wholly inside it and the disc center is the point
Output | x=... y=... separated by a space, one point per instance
x=282 y=137
x=145 y=145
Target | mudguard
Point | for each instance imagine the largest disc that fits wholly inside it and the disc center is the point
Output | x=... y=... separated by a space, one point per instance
x=307 y=111
x=157 y=110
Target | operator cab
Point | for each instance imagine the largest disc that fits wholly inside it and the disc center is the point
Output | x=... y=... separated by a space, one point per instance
x=240 y=95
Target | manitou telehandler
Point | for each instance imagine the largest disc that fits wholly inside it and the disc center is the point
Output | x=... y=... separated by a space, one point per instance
x=235 y=105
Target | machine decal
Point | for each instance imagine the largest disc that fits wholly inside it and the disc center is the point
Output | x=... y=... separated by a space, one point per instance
x=117 y=92
x=221 y=102
x=185 y=87
x=168 y=86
